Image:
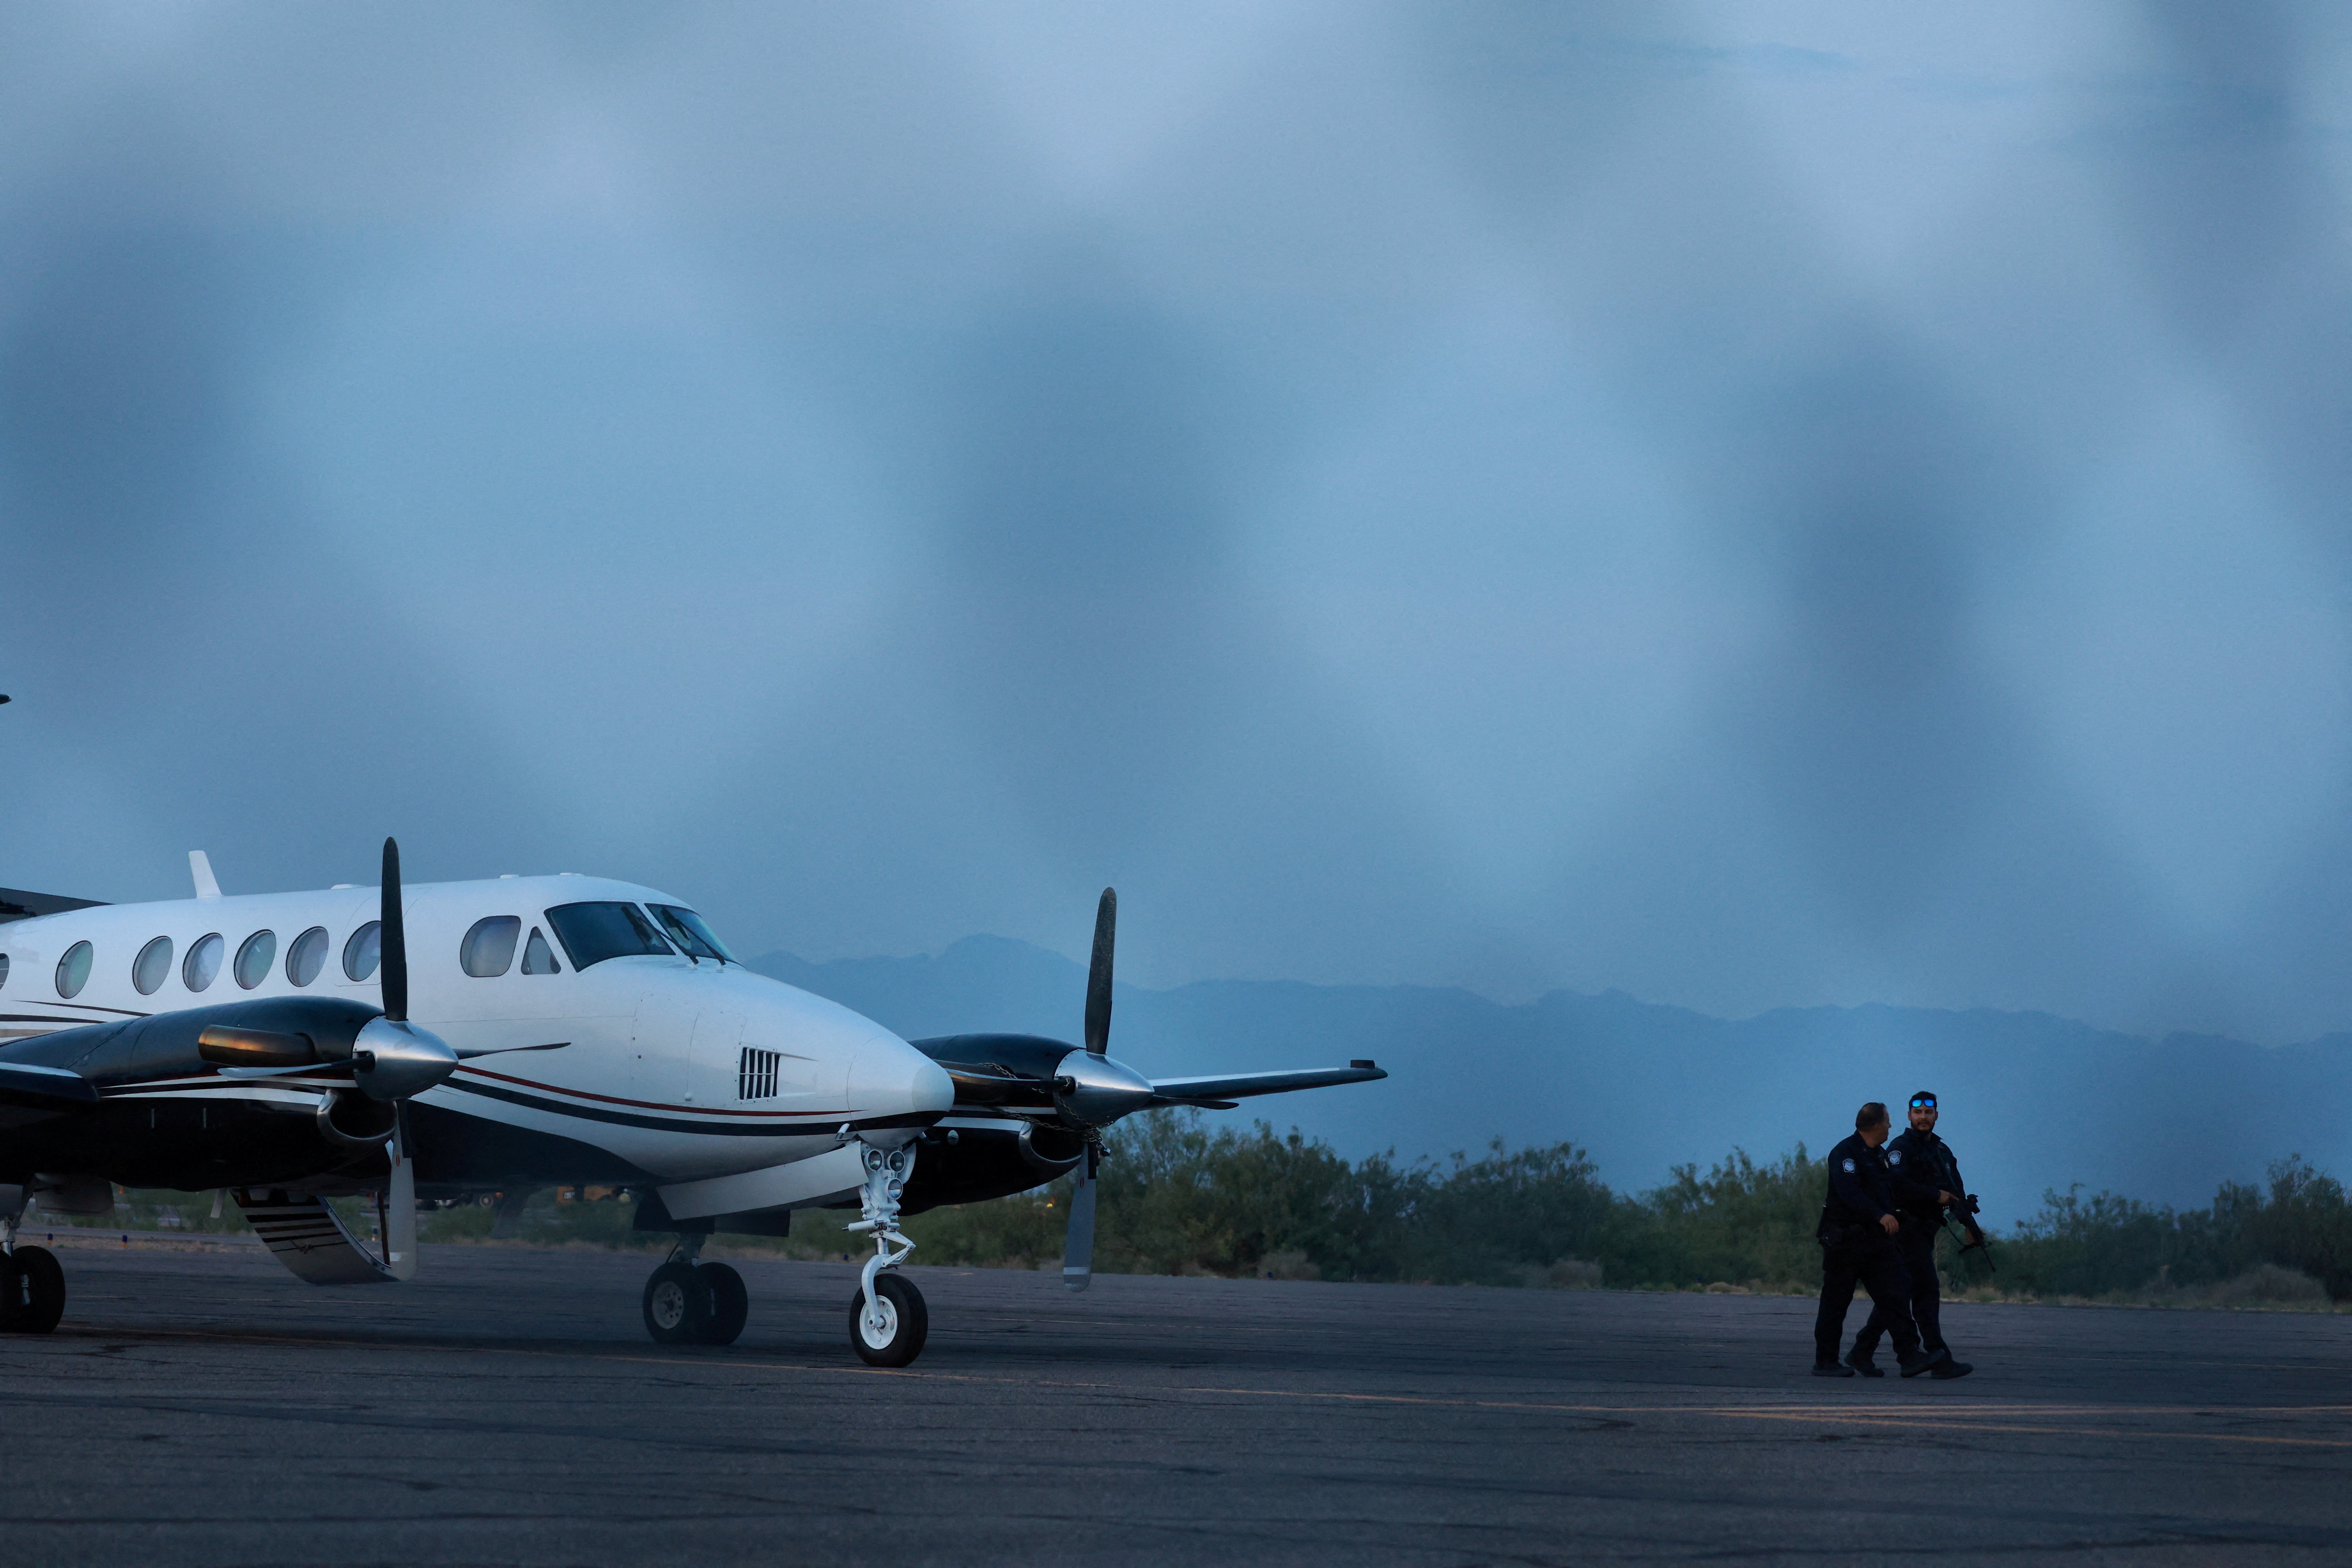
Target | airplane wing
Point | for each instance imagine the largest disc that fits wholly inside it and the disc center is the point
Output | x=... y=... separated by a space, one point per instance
x=52 y=1089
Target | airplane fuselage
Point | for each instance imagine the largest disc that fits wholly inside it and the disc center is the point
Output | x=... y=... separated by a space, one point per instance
x=670 y=1067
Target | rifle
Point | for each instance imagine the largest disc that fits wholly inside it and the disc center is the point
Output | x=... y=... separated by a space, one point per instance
x=1966 y=1207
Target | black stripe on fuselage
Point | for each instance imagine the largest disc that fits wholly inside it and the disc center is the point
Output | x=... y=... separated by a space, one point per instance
x=29 y=1019
x=812 y=1129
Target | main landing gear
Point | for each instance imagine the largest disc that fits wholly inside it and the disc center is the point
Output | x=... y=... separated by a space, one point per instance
x=32 y=1286
x=688 y=1302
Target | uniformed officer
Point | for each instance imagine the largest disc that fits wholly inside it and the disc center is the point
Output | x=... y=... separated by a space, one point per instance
x=1927 y=1182
x=1859 y=1225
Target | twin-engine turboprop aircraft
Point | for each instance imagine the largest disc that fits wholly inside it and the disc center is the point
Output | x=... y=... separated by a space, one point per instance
x=631 y=1048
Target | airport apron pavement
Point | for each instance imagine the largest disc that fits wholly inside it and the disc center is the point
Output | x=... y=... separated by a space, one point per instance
x=203 y=1407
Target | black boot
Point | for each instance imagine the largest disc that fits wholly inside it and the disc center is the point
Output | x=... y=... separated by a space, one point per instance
x=1925 y=1361
x=1831 y=1369
x=1859 y=1359
x=1951 y=1368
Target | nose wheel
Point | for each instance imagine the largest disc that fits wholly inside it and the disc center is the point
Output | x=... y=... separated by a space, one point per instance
x=889 y=1330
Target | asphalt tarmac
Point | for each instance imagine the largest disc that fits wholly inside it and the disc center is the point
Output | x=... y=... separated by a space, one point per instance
x=506 y=1407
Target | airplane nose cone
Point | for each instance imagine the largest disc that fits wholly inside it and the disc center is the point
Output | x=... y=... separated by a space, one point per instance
x=891 y=1079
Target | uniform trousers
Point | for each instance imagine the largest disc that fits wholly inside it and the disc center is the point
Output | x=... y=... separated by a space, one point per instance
x=1871 y=1261
x=1918 y=1246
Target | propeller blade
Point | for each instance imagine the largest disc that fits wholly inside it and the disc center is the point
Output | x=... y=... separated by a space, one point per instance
x=1078 y=1250
x=312 y=1069
x=1241 y=1085
x=394 y=939
x=1098 y=973
x=467 y=1053
x=398 y=1214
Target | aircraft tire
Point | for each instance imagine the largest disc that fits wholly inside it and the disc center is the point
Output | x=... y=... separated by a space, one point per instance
x=11 y=1292
x=908 y=1323
x=676 y=1304
x=42 y=1293
x=730 y=1304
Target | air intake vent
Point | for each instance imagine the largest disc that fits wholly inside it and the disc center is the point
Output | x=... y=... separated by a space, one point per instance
x=755 y=1077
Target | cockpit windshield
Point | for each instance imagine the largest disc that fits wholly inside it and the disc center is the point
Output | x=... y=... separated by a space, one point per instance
x=593 y=933
x=686 y=929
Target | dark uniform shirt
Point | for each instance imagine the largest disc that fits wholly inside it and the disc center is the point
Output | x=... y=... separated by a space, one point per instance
x=1862 y=1186
x=1924 y=1166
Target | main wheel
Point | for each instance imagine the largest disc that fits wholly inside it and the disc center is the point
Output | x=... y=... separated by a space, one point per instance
x=729 y=1304
x=905 y=1322
x=37 y=1291
x=678 y=1304
x=11 y=1292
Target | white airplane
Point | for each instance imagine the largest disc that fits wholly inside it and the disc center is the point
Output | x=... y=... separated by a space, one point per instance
x=286 y=1048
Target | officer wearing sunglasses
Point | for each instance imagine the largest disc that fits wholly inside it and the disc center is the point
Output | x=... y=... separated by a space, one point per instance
x=1926 y=1183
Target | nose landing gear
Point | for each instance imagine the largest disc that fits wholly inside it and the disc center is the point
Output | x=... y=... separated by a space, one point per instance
x=690 y=1302
x=887 y=1319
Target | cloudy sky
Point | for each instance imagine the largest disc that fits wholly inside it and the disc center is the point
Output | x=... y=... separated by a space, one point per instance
x=1749 y=504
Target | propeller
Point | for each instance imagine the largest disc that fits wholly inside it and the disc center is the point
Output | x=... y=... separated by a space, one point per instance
x=395 y=1059
x=1095 y=1092
x=1085 y=1089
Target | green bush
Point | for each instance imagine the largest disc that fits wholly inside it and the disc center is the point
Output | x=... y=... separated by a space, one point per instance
x=1178 y=1196
x=2106 y=1245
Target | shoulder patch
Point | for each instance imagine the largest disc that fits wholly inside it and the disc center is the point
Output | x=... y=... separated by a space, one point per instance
x=1895 y=1156
x=1849 y=1167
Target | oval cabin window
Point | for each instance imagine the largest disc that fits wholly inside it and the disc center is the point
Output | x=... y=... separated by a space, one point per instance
x=307 y=956
x=254 y=958
x=202 y=962
x=489 y=948
x=73 y=970
x=363 y=951
x=154 y=963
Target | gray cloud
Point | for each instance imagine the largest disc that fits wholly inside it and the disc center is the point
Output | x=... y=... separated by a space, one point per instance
x=1749 y=509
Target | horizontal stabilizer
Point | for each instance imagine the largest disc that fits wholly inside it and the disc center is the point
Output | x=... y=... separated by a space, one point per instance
x=1241 y=1085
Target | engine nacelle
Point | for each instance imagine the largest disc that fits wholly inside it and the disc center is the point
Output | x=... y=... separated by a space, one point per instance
x=282 y=1132
x=969 y=1164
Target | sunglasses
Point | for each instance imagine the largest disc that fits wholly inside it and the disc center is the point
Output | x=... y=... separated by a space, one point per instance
x=1923 y=1105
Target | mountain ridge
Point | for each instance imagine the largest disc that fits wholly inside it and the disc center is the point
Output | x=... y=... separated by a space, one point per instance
x=2033 y=1101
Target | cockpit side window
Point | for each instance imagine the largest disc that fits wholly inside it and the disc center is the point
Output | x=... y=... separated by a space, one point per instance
x=537 y=958
x=693 y=937
x=593 y=933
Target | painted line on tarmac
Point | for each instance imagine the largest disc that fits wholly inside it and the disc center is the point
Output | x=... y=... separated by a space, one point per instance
x=1938 y=1424
x=1915 y=1417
